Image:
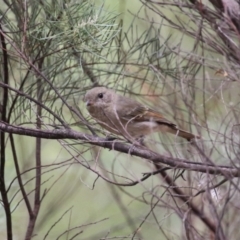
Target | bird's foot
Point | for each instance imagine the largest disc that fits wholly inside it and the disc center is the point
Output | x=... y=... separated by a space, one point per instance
x=140 y=140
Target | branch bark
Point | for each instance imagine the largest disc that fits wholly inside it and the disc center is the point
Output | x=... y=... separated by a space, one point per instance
x=135 y=150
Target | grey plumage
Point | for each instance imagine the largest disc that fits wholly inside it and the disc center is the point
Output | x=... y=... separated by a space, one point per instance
x=125 y=116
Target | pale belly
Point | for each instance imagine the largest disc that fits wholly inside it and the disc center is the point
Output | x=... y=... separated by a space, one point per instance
x=111 y=122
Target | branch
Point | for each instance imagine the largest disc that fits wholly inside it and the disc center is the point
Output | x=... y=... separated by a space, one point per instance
x=3 y=117
x=139 y=151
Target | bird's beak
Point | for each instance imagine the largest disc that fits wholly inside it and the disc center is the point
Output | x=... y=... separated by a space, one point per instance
x=89 y=103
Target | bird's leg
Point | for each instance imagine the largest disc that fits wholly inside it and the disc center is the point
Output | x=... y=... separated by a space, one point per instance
x=110 y=138
x=141 y=140
x=138 y=141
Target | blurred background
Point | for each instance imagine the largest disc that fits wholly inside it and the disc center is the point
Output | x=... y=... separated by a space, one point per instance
x=178 y=57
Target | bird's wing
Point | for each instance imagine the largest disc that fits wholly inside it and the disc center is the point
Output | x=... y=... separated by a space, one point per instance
x=131 y=110
x=141 y=113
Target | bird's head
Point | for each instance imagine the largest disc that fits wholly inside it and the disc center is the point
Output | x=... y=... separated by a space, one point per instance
x=98 y=97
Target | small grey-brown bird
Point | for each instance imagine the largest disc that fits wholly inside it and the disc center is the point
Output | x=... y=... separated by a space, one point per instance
x=124 y=116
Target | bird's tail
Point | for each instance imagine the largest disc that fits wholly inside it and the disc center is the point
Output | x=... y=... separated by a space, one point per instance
x=184 y=134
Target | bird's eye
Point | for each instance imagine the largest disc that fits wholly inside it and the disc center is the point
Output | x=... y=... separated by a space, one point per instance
x=100 y=95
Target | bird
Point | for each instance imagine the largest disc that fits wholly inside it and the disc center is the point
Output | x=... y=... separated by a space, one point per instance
x=127 y=117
